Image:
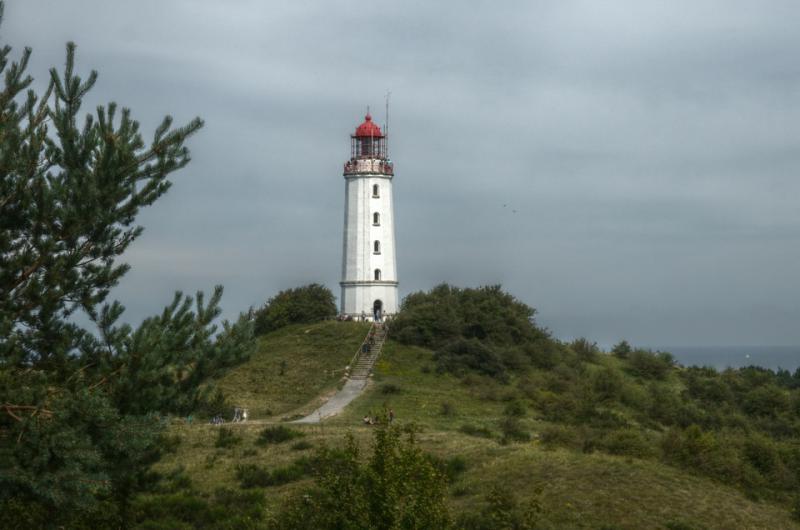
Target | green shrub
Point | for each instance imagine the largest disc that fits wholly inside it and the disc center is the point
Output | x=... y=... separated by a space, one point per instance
x=607 y=384
x=650 y=365
x=627 y=442
x=767 y=400
x=635 y=396
x=585 y=350
x=446 y=313
x=277 y=434
x=708 y=453
x=397 y=487
x=622 y=349
x=543 y=352
x=763 y=454
x=513 y=431
x=309 y=303
x=503 y=511
x=515 y=408
x=558 y=407
x=450 y=467
x=560 y=436
x=485 y=330
x=462 y=355
x=709 y=388
x=389 y=388
x=252 y=475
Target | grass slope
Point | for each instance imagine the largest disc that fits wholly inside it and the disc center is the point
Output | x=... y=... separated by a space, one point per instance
x=293 y=367
x=575 y=490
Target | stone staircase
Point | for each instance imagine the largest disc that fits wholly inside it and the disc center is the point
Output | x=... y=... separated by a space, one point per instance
x=368 y=352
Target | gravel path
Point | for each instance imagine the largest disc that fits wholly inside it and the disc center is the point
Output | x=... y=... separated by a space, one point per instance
x=351 y=390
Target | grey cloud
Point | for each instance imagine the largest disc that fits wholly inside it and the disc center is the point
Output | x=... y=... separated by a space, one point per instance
x=650 y=150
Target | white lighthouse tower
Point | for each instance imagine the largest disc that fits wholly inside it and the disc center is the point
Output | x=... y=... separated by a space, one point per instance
x=369 y=264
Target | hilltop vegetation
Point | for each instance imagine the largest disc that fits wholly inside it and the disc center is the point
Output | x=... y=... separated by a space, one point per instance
x=739 y=427
x=310 y=303
x=553 y=435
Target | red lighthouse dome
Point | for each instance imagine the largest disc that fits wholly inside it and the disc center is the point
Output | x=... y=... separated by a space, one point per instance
x=368 y=129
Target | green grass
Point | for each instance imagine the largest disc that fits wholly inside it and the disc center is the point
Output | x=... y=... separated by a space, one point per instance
x=292 y=368
x=420 y=395
x=576 y=490
x=596 y=490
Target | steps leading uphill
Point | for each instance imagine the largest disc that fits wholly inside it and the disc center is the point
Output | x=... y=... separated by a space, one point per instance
x=368 y=353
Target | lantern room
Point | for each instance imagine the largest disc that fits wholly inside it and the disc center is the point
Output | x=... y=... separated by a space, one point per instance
x=368 y=141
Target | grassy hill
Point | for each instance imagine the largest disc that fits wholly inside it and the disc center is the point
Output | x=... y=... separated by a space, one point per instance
x=293 y=368
x=463 y=418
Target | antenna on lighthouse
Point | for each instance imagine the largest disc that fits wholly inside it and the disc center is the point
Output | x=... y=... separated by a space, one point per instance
x=386 y=127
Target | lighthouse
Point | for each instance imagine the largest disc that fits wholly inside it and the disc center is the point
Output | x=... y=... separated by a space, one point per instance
x=369 y=262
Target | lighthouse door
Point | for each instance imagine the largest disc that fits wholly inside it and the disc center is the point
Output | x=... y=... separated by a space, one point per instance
x=377 y=309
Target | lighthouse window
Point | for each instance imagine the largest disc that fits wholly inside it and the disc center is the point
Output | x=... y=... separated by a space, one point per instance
x=376 y=247
x=377 y=274
x=376 y=218
x=366 y=147
x=376 y=190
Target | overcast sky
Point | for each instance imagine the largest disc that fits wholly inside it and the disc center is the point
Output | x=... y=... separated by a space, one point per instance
x=651 y=150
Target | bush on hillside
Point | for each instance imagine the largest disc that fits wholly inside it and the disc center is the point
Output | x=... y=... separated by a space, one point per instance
x=586 y=350
x=277 y=434
x=504 y=510
x=483 y=330
x=627 y=442
x=447 y=313
x=767 y=400
x=306 y=304
x=398 y=486
x=622 y=349
x=650 y=365
x=450 y=467
x=704 y=384
x=607 y=384
x=463 y=355
x=543 y=352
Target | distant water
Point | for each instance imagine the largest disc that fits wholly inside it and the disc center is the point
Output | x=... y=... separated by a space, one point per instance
x=721 y=357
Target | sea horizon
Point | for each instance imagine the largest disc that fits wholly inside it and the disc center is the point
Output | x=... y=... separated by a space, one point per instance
x=722 y=357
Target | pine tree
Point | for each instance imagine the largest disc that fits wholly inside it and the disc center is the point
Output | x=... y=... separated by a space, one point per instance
x=81 y=409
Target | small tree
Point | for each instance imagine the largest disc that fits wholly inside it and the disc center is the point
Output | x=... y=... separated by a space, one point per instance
x=622 y=349
x=398 y=487
x=309 y=303
x=79 y=421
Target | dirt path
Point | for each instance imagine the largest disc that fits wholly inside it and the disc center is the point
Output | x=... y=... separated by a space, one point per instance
x=351 y=390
